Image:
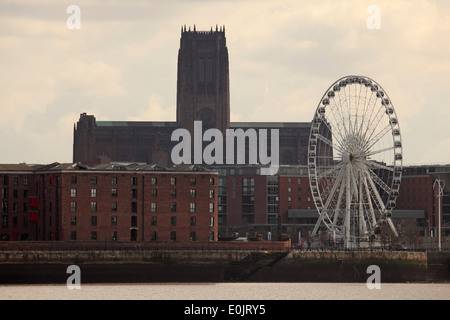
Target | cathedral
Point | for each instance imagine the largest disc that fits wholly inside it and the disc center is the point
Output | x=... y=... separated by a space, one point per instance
x=203 y=94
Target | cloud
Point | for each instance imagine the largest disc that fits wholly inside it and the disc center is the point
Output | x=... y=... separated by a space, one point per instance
x=154 y=111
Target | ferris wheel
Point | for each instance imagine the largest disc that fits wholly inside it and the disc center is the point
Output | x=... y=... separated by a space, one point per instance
x=354 y=160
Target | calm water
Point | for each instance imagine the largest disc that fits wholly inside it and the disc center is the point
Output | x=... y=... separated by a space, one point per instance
x=228 y=291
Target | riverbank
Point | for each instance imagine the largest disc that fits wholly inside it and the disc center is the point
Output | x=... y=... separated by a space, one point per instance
x=119 y=266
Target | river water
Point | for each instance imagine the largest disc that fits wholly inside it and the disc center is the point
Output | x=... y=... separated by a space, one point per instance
x=229 y=291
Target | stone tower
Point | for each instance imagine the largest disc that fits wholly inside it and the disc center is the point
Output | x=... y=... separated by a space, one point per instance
x=203 y=89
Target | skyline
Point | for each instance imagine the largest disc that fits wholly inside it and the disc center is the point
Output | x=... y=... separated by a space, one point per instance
x=121 y=65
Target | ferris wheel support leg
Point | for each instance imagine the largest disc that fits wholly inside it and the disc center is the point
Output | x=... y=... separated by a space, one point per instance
x=347 y=209
x=391 y=224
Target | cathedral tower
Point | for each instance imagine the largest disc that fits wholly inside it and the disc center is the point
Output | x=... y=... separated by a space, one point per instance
x=203 y=89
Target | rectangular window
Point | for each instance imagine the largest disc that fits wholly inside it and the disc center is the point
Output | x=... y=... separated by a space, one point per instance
x=192 y=236
x=192 y=207
x=211 y=181
x=134 y=181
x=134 y=193
x=114 y=192
x=173 y=207
x=154 y=180
x=173 y=193
x=173 y=181
x=154 y=221
x=193 y=181
x=5 y=221
x=134 y=221
x=73 y=206
x=154 y=236
x=93 y=206
x=134 y=207
x=114 y=180
x=93 y=193
x=94 y=221
x=93 y=235
x=211 y=221
x=154 y=193
x=114 y=235
x=153 y=206
x=193 y=221
x=173 y=236
x=114 y=221
x=73 y=179
x=211 y=207
x=73 y=235
x=211 y=194
x=114 y=206
x=25 y=181
x=173 y=221
x=93 y=180
x=73 y=193
x=192 y=193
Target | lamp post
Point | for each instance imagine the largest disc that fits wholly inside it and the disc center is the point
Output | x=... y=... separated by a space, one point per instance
x=439 y=193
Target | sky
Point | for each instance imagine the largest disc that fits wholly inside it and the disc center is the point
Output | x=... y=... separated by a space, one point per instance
x=121 y=65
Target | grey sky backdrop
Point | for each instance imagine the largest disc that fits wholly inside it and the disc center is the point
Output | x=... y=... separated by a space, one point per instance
x=122 y=63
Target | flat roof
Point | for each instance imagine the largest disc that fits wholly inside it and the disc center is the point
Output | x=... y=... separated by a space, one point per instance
x=305 y=125
x=396 y=214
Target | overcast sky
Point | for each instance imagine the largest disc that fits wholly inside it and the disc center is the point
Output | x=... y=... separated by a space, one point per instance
x=121 y=65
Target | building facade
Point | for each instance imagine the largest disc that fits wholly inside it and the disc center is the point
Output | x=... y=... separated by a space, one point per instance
x=109 y=202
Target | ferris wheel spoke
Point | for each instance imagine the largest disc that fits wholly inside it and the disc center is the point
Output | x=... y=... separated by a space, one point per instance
x=333 y=190
x=375 y=195
x=371 y=142
x=379 y=166
x=379 y=182
x=372 y=153
x=338 y=204
x=369 y=203
x=329 y=170
x=376 y=122
x=371 y=117
x=328 y=142
x=339 y=114
x=337 y=137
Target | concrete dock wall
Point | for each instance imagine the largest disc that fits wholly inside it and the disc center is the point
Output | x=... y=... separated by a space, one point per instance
x=209 y=266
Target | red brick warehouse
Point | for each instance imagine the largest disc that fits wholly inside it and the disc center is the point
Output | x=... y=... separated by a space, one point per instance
x=110 y=202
